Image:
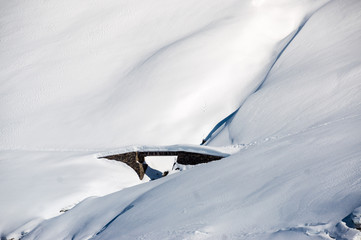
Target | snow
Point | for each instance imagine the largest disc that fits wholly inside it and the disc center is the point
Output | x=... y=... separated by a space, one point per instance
x=96 y=75
x=158 y=165
x=315 y=81
x=80 y=80
x=37 y=185
x=245 y=196
x=217 y=151
x=356 y=216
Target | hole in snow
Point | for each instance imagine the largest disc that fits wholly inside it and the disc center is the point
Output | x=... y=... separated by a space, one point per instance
x=159 y=166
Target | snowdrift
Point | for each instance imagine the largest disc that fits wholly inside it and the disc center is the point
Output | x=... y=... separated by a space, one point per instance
x=299 y=119
x=95 y=75
x=297 y=184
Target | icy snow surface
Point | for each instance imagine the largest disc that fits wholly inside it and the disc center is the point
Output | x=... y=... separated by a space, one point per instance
x=79 y=79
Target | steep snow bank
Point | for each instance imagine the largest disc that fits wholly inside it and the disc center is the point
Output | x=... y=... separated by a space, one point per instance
x=315 y=82
x=297 y=187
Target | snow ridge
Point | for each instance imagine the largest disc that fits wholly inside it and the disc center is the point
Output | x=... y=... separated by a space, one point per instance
x=224 y=123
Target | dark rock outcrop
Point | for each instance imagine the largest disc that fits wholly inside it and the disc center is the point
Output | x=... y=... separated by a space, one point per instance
x=136 y=161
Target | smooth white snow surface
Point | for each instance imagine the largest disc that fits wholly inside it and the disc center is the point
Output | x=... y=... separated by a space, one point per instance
x=298 y=187
x=102 y=74
x=169 y=71
x=38 y=185
x=315 y=82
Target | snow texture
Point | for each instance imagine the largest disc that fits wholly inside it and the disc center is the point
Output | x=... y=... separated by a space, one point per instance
x=92 y=75
x=79 y=79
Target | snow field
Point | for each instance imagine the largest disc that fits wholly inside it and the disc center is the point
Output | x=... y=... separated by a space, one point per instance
x=101 y=75
x=93 y=77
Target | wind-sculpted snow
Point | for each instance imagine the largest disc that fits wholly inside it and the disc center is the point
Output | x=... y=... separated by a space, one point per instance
x=298 y=187
x=298 y=176
x=90 y=75
x=38 y=185
x=85 y=77
x=169 y=72
x=316 y=81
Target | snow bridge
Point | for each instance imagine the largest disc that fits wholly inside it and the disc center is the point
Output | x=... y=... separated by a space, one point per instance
x=186 y=155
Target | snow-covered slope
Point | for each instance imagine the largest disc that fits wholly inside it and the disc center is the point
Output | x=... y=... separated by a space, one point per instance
x=99 y=74
x=169 y=71
x=79 y=78
x=298 y=176
x=315 y=82
x=38 y=185
x=298 y=187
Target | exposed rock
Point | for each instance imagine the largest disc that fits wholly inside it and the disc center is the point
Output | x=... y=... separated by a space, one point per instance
x=136 y=159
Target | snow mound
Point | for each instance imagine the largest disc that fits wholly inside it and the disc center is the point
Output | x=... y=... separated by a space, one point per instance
x=268 y=191
x=40 y=185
